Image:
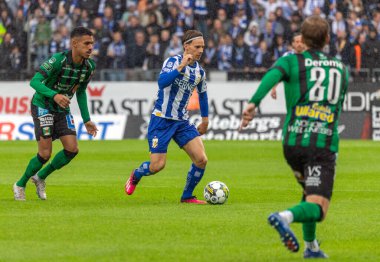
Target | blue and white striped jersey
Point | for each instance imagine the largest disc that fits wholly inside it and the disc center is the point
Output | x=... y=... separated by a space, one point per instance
x=175 y=89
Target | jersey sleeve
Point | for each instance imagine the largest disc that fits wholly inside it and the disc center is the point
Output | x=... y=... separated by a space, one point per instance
x=82 y=96
x=51 y=66
x=168 y=72
x=46 y=70
x=278 y=72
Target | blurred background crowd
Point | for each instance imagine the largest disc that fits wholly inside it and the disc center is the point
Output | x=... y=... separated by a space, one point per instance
x=134 y=37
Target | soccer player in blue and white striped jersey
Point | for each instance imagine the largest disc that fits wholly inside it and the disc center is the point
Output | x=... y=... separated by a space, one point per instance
x=180 y=75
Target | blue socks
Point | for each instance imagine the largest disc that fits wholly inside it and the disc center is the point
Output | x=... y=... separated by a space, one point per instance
x=143 y=170
x=193 y=177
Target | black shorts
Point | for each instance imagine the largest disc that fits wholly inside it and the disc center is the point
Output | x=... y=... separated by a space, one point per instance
x=316 y=167
x=52 y=124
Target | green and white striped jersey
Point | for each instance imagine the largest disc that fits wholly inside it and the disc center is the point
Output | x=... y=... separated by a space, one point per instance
x=315 y=86
x=60 y=75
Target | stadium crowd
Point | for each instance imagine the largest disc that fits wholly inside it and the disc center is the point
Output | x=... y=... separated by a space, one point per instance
x=134 y=37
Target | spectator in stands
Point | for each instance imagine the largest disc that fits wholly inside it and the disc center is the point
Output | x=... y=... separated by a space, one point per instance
x=164 y=40
x=222 y=16
x=235 y=28
x=345 y=51
x=252 y=35
x=18 y=31
x=102 y=40
x=172 y=20
x=56 y=45
x=240 y=55
x=356 y=6
x=132 y=27
x=62 y=19
x=210 y=55
x=359 y=52
x=154 y=57
x=268 y=34
x=153 y=27
x=371 y=50
x=109 y=23
x=217 y=31
x=5 y=49
x=42 y=40
x=280 y=47
x=263 y=58
x=175 y=47
x=117 y=58
x=225 y=53
x=311 y=5
x=84 y=19
x=5 y=19
x=16 y=58
x=137 y=54
x=338 y=24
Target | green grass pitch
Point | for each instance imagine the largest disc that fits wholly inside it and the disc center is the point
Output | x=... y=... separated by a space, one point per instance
x=88 y=217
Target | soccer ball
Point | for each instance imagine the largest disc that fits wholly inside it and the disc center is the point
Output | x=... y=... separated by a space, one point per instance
x=216 y=192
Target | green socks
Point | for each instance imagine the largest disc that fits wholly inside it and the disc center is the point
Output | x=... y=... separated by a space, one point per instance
x=61 y=159
x=34 y=165
x=306 y=212
x=308 y=230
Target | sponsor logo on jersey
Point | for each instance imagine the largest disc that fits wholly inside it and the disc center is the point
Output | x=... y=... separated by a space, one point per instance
x=331 y=63
x=47 y=66
x=316 y=111
x=52 y=60
x=46 y=120
x=154 y=142
x=314 y=177
x=183 y=84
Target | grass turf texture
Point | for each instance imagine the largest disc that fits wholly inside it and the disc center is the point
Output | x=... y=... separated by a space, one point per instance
x=88 y=217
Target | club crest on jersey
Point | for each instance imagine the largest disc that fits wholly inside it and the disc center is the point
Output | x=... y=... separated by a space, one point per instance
x=46 y=131
x=82 y=76
x=154 y=142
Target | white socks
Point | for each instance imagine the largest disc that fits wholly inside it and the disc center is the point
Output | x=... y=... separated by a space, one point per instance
x=287 y=216
x=313 y=246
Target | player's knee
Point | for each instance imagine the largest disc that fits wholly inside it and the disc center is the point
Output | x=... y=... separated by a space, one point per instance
x=201 y=162
x=43 y=158
x=44 y=155
x=70 y=154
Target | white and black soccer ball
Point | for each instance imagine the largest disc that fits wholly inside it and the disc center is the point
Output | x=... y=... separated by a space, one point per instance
x=216 y=192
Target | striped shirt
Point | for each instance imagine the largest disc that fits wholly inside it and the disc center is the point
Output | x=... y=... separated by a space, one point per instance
x=173 y=98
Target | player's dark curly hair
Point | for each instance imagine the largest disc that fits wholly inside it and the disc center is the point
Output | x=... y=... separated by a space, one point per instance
x=190 y=34
x=315 y=31
x=80 y=31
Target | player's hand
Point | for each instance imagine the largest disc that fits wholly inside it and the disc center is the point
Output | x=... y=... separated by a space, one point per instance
x=248 y=114
x=186 y=60
x=273 y=93
x=202 y=127
x=91 y=128
x=62 y=100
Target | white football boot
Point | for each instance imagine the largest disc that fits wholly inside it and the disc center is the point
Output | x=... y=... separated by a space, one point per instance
x=19 y=192
x=40 y=186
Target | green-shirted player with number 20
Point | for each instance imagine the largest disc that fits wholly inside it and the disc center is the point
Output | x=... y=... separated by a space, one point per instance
x=315 y=86
x=56 y=82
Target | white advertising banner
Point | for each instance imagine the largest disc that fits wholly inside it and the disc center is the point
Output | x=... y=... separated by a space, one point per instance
x=111 y=127
x=137 y=98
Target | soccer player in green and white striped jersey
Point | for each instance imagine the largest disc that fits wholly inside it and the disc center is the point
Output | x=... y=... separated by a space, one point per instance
x=315 y=86
x=56 y=82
